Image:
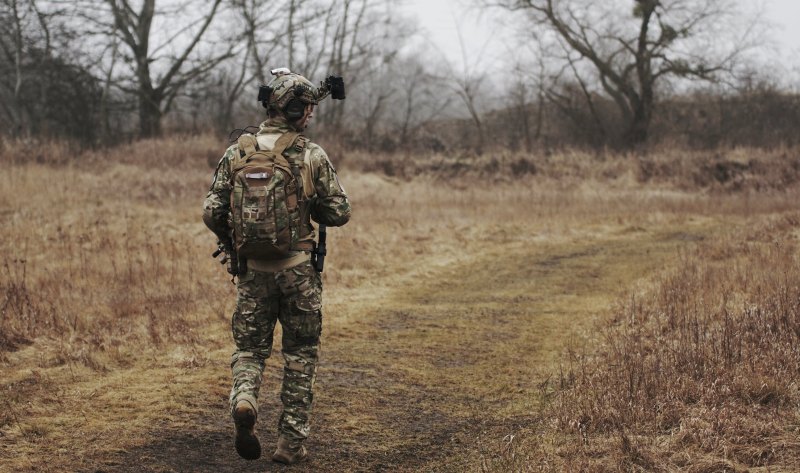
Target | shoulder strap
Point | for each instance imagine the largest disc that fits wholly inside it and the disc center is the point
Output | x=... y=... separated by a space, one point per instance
x=298 y=148
x=248 y=145
x=308 y=174
x=284 y=142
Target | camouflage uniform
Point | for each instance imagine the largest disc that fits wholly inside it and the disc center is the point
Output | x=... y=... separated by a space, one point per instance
x=291 y=296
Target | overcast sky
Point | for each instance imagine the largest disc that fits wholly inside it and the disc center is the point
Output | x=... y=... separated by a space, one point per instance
x=443 y=18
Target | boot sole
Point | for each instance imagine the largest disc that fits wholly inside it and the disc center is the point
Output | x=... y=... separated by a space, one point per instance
x=247 y=444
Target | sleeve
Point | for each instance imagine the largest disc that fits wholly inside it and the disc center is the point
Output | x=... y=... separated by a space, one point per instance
x=216 y=207
x=330 y=206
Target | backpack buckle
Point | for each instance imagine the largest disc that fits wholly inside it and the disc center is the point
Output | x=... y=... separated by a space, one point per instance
x=300 y=144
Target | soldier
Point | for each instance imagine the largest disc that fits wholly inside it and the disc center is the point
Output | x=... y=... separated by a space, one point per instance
x=265 y=190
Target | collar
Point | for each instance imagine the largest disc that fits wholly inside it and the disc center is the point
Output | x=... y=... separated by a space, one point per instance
x=275 y=125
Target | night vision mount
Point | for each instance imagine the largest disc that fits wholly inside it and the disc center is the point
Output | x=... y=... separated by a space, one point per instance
x=333 y=85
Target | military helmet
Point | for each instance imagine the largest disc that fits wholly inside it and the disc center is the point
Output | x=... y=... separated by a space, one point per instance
x=288 y=92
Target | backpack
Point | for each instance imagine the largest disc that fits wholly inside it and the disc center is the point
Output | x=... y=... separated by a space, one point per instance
x=268 y=199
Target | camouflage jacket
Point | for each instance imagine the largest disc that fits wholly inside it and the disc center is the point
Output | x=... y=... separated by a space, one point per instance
x=329 y=206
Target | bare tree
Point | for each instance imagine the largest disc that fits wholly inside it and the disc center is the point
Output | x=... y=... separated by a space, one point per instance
x=466 y=84
x=262 y=35
x=157 y=89
x=572 y=95
x=42 y=79
x=108 y=81
x=422 y=98
x=631 y=48
x=27 y=27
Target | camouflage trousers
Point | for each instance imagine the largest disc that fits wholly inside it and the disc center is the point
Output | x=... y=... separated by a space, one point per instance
x=294 y=297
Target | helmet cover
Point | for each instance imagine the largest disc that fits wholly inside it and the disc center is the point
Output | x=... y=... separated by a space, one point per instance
x=288 y=85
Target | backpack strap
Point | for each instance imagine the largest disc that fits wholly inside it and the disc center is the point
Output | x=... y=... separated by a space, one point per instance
x=299 y=149
x=284 y=142
x=248 y=145
x=291 y=154
x=285 y=149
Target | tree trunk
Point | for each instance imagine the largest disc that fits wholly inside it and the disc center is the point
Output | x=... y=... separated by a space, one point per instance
x=481 y=138
x=639 y=126
x=149 y=116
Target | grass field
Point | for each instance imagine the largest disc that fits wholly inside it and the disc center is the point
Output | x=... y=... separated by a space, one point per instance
x=593 y=315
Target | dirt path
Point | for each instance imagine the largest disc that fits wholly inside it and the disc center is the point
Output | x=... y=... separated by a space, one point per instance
x=441 y=368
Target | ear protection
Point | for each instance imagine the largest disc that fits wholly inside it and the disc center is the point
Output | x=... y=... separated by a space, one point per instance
x=295 y=109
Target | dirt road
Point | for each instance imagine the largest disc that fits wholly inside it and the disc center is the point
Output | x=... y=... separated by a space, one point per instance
x=437 y=368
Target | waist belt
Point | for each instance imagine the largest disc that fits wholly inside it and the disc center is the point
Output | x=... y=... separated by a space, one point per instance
x=272 y=266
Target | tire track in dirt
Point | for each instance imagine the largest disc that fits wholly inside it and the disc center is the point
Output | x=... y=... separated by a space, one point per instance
x=441 y=369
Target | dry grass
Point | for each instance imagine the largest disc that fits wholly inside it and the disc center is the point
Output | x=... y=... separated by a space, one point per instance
x=695 y=371
x=703 y=367
x=111 y=308
x=97 y=251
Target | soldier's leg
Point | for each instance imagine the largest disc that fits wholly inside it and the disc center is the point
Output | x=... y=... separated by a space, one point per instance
x=252 y=325
x=301 y=321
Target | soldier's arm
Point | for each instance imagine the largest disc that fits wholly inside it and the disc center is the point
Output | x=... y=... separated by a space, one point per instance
x=216 y=207
x=330 y=205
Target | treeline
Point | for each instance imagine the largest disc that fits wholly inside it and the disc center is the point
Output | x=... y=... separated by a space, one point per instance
x=103 y=71
x=763 y=117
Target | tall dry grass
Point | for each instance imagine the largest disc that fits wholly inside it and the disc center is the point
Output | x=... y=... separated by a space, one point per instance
x=102 y=250
x=699 y=372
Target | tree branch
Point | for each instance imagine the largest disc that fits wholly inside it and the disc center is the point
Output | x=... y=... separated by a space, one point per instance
x=165 y=81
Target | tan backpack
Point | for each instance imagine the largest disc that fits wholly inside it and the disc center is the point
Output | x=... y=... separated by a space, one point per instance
x=268 y=197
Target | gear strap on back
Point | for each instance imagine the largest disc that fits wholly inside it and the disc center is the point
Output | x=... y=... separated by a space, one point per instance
x=247 y=144
x=288 y=147
x=295 y=142
x=298 y=150
x=283 y=143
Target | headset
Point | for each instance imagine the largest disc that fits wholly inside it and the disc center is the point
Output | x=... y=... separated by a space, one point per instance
x=296 y=108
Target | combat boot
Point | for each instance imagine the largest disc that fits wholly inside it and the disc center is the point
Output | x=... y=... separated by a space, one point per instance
x=244 y=418
x=289 y=452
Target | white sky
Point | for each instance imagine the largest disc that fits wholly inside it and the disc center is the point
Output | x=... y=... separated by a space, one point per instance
x=785 y=14
x=443 y=18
